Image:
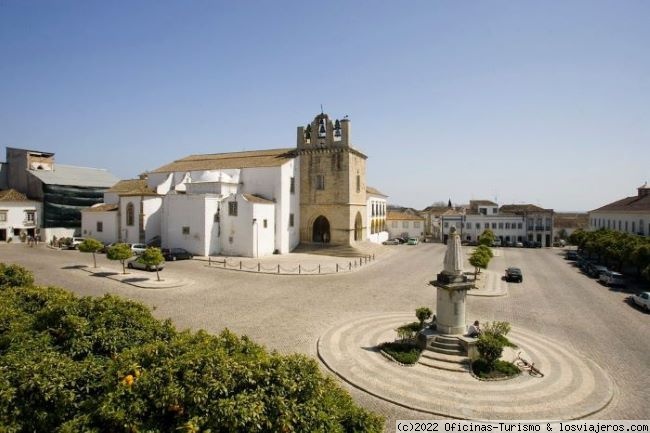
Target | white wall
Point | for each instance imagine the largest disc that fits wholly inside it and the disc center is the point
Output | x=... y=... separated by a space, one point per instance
x=237 y=231
x=599 y=220
x=263 y=238
x=178 y=211
x=514 y=233
x=405 y=226
x=381 y=212
x=16 y=217
x=129 y=234
x=89 y=221
x=152 y=217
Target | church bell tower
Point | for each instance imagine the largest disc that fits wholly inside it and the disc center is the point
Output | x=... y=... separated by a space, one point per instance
x=332 y=183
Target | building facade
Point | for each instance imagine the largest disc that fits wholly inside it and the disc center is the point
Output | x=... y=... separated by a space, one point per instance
x=629 y=215
x=251 y=203
x=405 y=224
x=19 y=216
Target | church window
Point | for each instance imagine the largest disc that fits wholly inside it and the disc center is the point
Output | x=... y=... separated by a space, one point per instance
x=291 y=220
x=129 y=214
x=320 y=182
x=358 y=183
x=232 y=208
x=292 y=185
x=100 y=226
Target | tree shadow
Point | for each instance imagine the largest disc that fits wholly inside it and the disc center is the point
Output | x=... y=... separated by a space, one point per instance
x=103 y=274
x=75 y=267
x=135 y=280
x=371 y=348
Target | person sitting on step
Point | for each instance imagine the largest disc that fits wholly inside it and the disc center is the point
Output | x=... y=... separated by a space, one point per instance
x=474 y=330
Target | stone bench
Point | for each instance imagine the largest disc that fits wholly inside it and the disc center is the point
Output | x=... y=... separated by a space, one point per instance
x=469 y=344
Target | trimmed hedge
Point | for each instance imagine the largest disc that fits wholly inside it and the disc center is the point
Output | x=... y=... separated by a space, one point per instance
x=405 y=353
x=70 y=364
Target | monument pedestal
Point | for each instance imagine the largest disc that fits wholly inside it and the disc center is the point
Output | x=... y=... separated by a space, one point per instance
x=450 y=303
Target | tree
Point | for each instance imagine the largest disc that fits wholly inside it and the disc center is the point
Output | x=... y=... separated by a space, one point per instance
x=486 y=238
x=121 y=252
x=480 y=259
x=423 y=313
x=15 y=276
x=152 y=257
x=492 y=340
x=90 y=245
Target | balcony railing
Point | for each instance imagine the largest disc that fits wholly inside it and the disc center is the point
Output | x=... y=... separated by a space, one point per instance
x=29 y=223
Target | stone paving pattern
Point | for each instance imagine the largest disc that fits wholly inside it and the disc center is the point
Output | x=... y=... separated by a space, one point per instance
x=290 y=313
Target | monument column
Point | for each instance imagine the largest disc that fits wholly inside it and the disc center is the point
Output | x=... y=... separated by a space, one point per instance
x=452 y=286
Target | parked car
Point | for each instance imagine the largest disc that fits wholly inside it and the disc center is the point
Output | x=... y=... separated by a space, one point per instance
x=137 y=263
x=401 y=240
x=514 y=275
x=519 y=244
x=611 y=278
x=138 y=248
x=595 y=271
x=172 y=254
x=413 y=241
x=74 y=244
x=642 y=300
x=391 y=242
x=572 y=255
x=496 y=242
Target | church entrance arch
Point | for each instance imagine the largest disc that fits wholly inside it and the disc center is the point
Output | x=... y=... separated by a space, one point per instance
x=358 y=228
x=321 y=230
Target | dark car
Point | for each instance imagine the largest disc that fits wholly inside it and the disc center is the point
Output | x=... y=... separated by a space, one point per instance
x=572 y=255
x=172 y=254
x=514 y=275
x=594 y=271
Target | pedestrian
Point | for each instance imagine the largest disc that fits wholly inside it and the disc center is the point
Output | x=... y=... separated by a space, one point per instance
x=474 y=330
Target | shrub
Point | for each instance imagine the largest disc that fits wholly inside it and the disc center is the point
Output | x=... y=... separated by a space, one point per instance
x=105 y=364
x=498 y=369
x=15 y=276
x=152 y=257
x=406 y=353
x=408 y=331
x=492 y=340
x=423 y=313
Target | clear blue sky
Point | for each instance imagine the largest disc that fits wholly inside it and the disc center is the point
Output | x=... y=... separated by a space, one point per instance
x=546 y=102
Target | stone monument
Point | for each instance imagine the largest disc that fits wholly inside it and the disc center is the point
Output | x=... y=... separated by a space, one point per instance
x=452 y=286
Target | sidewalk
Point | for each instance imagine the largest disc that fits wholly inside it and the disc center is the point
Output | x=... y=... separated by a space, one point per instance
x=489 y=283
x=141 y=279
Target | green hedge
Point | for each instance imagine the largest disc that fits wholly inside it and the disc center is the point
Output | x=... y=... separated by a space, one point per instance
x=70 y=364
x=405 y=353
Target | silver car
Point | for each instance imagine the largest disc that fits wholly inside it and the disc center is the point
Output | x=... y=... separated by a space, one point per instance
x=137 y=263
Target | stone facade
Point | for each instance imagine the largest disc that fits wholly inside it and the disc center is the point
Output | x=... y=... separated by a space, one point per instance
x=332 y=184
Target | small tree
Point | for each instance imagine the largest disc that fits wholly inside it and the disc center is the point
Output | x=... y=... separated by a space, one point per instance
x=15 y=276
x=152 y=257
x=486 y=238
x=121 y=252
x=423 y=313
x=492 y=340
x=91 y=245
x=480 y=260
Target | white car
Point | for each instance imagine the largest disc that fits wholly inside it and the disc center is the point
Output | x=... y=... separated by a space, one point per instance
x=76 y=242
x=137 y=264
x=138 y=248
x=611 y=278
x=642 y=300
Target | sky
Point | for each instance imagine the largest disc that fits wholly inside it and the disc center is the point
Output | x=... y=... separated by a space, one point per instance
x=543 y=102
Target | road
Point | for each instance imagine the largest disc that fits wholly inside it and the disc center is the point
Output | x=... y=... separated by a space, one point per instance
x=288 y=313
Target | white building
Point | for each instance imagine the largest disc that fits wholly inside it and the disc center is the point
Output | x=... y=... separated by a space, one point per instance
x=247 y=203
x=405 y=224
x=376 y=215
x=19 y=216
x=630 y=214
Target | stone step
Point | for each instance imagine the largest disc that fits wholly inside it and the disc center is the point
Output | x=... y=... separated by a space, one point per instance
x=442 y=345
x=445 y=351
x=442 y=365
x=447 y=338
x=458 y=359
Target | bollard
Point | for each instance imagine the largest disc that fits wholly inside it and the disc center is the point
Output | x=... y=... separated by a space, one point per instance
x=319 y=268
x=298 y=268
x=240 y=265
x=373 y=256
x=278 y=268
x=350 y=265
x=258 y=266
x=209 y=261
x=224 y=262
x=337 y=268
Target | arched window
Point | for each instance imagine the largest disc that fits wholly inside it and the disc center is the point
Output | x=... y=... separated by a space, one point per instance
x=129 y=214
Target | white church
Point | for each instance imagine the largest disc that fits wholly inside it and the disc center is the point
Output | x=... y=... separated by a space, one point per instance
x=249 y=204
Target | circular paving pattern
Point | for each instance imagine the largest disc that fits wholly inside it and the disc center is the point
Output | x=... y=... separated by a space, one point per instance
x=572 y=387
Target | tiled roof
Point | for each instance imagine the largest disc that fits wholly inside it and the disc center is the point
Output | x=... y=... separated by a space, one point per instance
x=634 y=204
x=522 y=208
x=566 y=220
x=436 y=210
x=371 y=190
x=482 y=203
x=129 y=187
x=256 y=199
x=393 y=215
x=69 y=175
x=12 y=195
x=102 y=207
x=217 y=161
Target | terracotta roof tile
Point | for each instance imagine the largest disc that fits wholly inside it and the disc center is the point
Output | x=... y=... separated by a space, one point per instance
x=12 y=195
x=393 y=215
x=371 y=190
x=216 y=161
x=257 y=199
x=132 y=187
x=102 y=207
x=632 y=204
